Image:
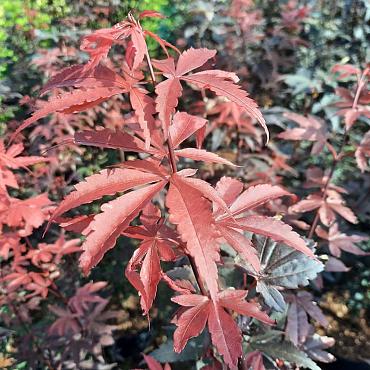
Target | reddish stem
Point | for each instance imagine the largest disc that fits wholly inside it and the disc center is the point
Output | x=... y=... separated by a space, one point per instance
x=360 y=85
x=171 y=154
x=198 y=278
x=172 y=160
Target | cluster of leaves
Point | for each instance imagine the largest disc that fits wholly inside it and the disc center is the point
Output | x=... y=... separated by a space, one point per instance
x=319 y=93
x=35 y=275
x=30 y=272
x=227 y=252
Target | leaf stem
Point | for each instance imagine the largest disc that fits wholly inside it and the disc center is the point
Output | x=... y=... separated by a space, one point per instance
x=152 y=75
x=172 y=160
x=171 y=154
x=198 y=278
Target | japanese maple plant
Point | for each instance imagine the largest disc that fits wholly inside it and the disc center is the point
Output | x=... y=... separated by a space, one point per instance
x=160 y=201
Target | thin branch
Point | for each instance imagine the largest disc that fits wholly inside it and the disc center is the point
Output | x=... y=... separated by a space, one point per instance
x=171 y=154
x=172 y=160
x=338 y=156
x=198 y=278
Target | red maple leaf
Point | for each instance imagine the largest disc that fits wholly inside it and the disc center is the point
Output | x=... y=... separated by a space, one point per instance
x=328 y=207
x=353 y=104
x=220 y=82
x=225 y=334
x=339 y=241
x=26 y=215
x=10 y=159
x=311 y=129
x=157 y=244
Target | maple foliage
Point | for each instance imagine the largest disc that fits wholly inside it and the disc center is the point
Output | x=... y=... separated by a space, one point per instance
x=157 y=242
x=339 y=241
x=298 y=326
x=157 y=197
x=10 y=159
x=203 y=215
x=220 y=82
x=311 y=129
x=328 y=201
x=352 y=105
x=25 y=214
x=231 y=114
x=224 y=332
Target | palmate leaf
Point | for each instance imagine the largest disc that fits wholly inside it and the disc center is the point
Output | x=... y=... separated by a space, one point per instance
x=301 y=306
x=199 y=310
x=112 y=221
x=281 y=266
x=311 y=129
x=98 y=43
x=339 y=241
x=25 y=214
x=11 y=157
x=107 y=182
x=71 y=102
x=191 y=212
x=241 y=202
x=147 y=281
x=157 y=242
x=297 y=327
x=327 y=207
x=96 y=83
x=193 y=320
x=202 y=214
x=220 y=82
x=82 y=75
